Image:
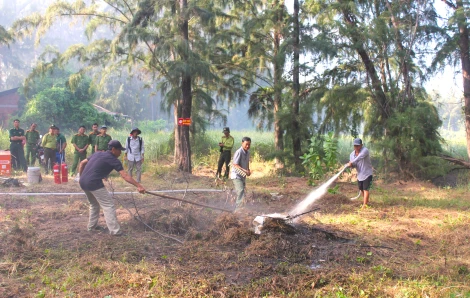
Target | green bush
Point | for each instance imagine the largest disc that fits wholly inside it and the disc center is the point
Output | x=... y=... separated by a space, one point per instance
x=322 y=156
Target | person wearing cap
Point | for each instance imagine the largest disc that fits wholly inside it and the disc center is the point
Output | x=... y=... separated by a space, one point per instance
x=92 y=171
x=92 y=137
x=135 y=153
x=102 y=140
x=17 y=138
x=225 y=145
x=80 y=143
x=49 y=143
x=360 y=159
x=32 y=138
x=61 y=145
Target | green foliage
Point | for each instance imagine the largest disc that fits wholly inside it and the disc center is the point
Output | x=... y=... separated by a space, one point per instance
x=4 y=141
x=51 y=101
x=413 y=139
x=322 y=156
x=152 y=126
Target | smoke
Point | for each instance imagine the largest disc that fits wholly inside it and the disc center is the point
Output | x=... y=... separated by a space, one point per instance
x=314 y=195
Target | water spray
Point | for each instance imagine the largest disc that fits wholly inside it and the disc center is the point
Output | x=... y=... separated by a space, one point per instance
x=301 y=208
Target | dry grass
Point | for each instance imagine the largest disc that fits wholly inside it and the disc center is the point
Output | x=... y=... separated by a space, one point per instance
x=412 y=242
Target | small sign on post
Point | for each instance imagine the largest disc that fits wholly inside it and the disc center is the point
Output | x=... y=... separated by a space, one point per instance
x=184 y=121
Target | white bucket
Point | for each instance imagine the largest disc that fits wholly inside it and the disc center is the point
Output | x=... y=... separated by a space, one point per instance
x=34 y=174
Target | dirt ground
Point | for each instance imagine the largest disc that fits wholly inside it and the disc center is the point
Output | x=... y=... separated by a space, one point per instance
x=412 y=242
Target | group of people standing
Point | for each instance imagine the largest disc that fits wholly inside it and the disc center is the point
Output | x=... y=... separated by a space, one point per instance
x=54 y=144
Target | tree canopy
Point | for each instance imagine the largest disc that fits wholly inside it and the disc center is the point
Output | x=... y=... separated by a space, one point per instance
x=315 y=67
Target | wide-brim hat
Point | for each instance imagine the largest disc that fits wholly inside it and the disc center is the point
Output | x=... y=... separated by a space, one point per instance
x=136 y=129
x=115 y=144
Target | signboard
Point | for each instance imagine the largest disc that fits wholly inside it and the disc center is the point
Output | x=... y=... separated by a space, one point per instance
x=184 y=121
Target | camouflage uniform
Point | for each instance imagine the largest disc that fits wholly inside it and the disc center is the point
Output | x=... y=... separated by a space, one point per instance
x=102 y=142
x=92 y=140
x=81 y=141
x=32 y=137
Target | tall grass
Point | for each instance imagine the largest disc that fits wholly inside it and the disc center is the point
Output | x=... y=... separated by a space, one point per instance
x=158 y=143
x=455 y=143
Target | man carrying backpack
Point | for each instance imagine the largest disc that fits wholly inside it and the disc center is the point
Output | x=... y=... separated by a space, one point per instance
x=135 y=153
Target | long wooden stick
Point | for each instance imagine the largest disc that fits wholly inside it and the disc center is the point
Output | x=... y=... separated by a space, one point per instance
x=186 y=201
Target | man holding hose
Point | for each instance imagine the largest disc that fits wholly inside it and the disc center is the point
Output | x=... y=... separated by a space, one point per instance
x=360 y=159
x=92 y=171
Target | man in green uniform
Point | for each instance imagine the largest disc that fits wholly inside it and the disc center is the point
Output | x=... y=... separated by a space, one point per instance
x=80 y=143
x=32 y=138
x=226 y=145
x=102 y=140
x=49 y=142
x=92 y=137
x=61 y=145
x=17 y=138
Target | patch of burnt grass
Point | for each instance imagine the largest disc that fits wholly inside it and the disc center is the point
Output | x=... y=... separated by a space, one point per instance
x=175 y=221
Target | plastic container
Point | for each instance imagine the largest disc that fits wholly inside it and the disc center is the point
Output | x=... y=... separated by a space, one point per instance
x=34 y=175
x=5 y=163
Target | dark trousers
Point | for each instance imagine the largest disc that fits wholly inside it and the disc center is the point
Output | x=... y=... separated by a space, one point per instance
x=225 y=157
x=49 y=159
x=17 y=156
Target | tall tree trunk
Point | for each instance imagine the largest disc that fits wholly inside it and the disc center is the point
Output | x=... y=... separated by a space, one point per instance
x=184 y=162
x=177 y=153
x=296 y=142
x=378 y=93
x=465 y=60
x=278 y=70
x=408 y=97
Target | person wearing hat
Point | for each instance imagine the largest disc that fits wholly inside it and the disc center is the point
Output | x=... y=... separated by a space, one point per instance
x=225 y=145
x=80 y=142
x=135 y=153
x=360 y=159
x=92 y=137
x=49 y=143
x=102 y=140
x=92 y=171
x=17 y=139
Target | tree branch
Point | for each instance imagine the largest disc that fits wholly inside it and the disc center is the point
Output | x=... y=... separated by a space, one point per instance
x=93 y=15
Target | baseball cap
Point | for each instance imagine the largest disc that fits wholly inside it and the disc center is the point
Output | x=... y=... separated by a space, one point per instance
x=115 y=144
x=226 y=129
x=104 y=126
x=357 y=142
x=53 y=126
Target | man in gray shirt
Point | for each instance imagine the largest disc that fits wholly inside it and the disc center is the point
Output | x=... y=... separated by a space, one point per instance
x=240 y=169
x=360 y=159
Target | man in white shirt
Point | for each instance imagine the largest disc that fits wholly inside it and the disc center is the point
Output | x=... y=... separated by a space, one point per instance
x=135 y=153
x=360 y=159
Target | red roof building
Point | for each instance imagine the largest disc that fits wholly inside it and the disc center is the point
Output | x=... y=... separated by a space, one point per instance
x=9 y=101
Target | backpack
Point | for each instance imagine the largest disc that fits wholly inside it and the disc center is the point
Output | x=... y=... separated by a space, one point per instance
x=129 y=144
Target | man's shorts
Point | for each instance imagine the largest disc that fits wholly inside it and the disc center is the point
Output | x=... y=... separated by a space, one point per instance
x=365 y=184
